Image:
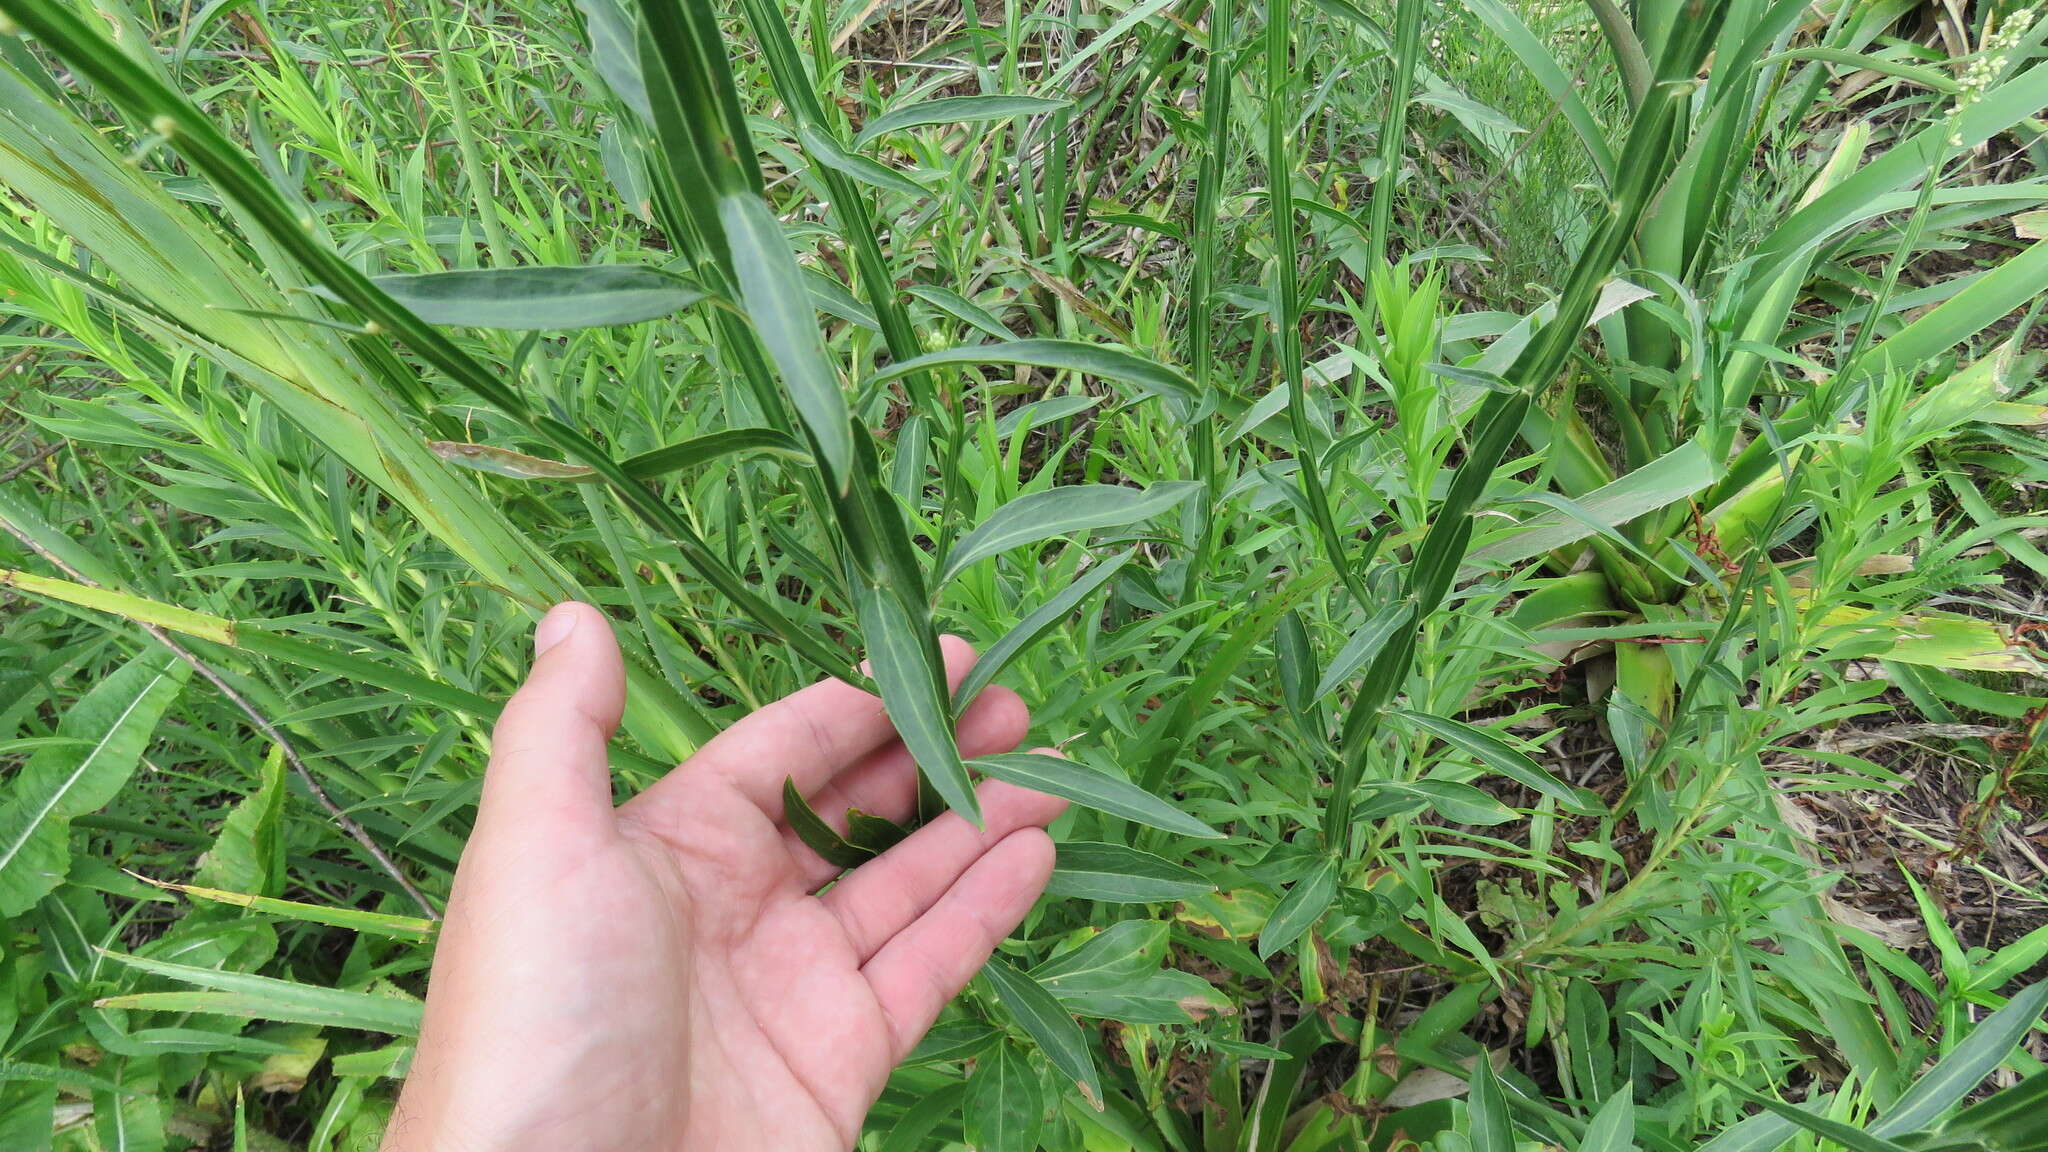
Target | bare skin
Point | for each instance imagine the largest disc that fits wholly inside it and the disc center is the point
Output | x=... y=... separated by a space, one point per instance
x=665 y=974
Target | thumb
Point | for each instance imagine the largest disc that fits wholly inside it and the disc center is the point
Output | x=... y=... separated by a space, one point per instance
x=548 y=764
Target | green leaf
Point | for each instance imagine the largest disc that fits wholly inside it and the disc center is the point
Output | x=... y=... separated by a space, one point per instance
x=1967 y=1064
x=873 y=833
x=1005 y=1106
x=1362 y=647
x=1057 y=511
x=264 y=998
x=1487 y=1105
x=1168 y=997
x=613 y=52
x=108 y=728
x=701 y=450
x=1116 y=956
x=1115 y=874
x=817 y=835
x=1040 y=1014
x=1298 y=911
x=854 y=166
x=951 y=1040
x=1613 y=1128
x=248 y=853
x=903 y=671
x=776 y=300
x=1029 y=630
x=1848 y=1135
x=353 y=919
x=1058 y=776
x=955 y=110
x=1662 y=482
x=1102 y=360
x=1498 y=755
x=2007 y=1119
x=543 y=298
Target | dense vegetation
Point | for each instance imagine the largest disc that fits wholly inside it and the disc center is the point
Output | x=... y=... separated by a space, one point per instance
x=1524 y=519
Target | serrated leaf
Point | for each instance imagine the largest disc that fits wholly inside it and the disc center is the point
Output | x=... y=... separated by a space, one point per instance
x=1071 y=780
x=1057 y=511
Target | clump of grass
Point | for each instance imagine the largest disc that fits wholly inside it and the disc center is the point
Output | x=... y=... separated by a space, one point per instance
x=1435 y=668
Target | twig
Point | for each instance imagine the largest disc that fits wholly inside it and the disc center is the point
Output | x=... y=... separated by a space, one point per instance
x=40 y=455
x=298 y=765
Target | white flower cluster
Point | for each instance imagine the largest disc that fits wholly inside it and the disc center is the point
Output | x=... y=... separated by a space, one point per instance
x=1991 y=60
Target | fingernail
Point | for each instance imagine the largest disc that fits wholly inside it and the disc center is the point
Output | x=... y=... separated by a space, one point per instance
x=555 y=627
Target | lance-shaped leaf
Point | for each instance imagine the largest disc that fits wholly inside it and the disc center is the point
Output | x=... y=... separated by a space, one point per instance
x=817 y=835
x=901 y=669
x=1057 y=511
x=1298 y=911
x=1028 y=630
x=956 y=110
x=264 y=998
x=1040 y=1014
x=776 y=300
x=542 y=298
x=1071 y=780
x=1115 y=874
x=1101 y=360
x=1498 y=755
x=1958 y=1073
x=102 y=739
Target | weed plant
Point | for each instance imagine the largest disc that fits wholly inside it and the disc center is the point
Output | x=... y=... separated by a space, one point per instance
x=1443 y=474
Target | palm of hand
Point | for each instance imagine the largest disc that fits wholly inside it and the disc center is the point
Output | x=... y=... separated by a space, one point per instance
x=662 y=975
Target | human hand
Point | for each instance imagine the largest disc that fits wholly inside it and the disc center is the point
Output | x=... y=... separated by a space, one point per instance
x=665 y=974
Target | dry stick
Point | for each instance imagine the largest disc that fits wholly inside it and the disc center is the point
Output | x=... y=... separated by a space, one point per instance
x=35 y=458
x=355 y=831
